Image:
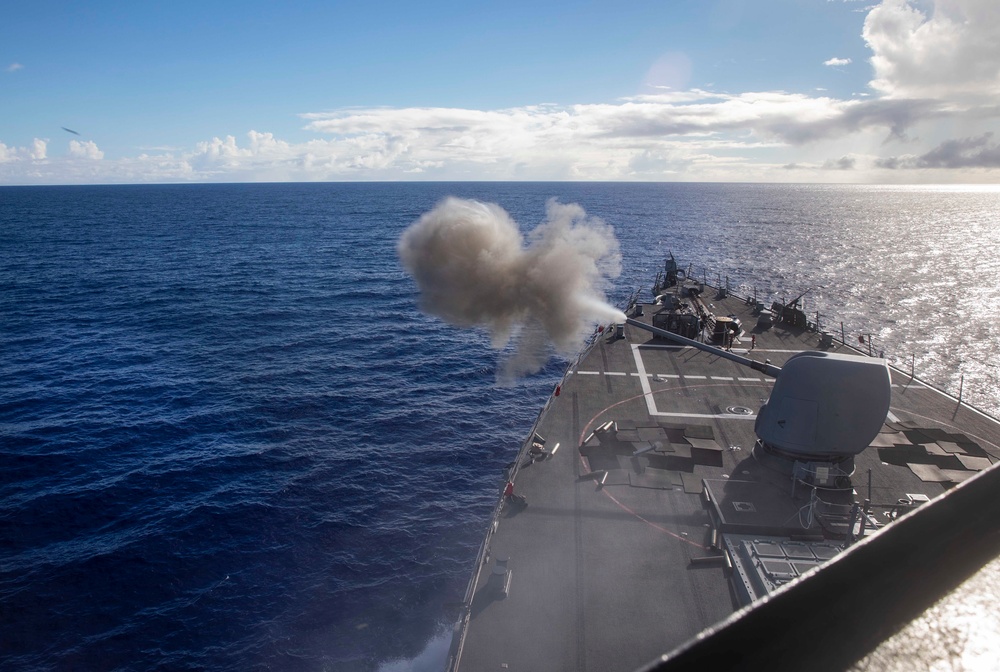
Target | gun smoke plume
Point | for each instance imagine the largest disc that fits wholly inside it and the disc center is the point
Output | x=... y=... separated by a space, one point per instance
x=474 y=270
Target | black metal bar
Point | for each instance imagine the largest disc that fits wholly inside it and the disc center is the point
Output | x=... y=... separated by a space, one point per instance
x=764 y=367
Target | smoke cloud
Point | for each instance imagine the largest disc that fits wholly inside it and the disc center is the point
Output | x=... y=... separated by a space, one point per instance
x=474 y=269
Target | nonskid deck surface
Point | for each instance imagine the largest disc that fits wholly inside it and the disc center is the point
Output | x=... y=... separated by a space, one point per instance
x=612 y=563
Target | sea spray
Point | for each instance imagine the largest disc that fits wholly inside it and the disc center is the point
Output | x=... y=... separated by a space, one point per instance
x=475 y=269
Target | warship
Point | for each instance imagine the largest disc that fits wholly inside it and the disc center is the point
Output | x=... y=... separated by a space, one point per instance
x=716 y=481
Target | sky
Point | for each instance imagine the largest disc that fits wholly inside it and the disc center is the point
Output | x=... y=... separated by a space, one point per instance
x=901 y=91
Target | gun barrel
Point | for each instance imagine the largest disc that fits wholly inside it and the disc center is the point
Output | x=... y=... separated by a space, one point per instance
x=763 y=367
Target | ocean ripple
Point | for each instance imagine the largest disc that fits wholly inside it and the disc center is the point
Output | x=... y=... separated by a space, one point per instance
x=230 y=440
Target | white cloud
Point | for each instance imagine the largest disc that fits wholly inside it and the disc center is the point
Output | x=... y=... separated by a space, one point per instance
x=85 y=150
x=600 y=137
x=38 y=149
x=950 y=53
x=688 y=117
x=37 y=152
x=694 y=135
x=933 y=72
x=14 y=67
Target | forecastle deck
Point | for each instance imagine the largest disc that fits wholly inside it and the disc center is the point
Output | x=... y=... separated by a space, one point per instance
x=649 y=517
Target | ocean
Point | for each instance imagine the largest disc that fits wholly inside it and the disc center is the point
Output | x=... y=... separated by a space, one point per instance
x=230 y=440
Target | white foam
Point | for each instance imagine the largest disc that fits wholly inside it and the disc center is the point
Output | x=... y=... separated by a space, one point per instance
x=431 y=659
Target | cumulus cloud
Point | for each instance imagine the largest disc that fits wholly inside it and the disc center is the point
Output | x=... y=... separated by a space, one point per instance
x=605 y=141
x=935 y=67
x=38 y=150
x=674 y=135
x=973 y=152
x=85 y=150
x=949 y=53
x=35 y=152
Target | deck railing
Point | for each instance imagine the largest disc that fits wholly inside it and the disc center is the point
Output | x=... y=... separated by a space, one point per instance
x=865 y=343
x=483 y=556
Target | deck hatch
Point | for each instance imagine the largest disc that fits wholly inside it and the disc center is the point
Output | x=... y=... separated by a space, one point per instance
x=798 y=551
x=778 y=570
x=763 y=563
x=767 y=549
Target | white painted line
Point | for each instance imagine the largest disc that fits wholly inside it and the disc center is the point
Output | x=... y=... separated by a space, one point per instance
x=696 y=377
x=891 y=417
x=603 y=373
x=721 y=416
x=554 y=449
x=647 y=392
x=651 y=405
x=750 y=380
x=667 y=347
x=722 y=377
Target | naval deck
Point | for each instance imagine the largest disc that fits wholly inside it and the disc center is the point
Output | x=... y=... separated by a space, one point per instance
x=651 y=517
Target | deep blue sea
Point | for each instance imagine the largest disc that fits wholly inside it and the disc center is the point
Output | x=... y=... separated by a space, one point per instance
x=229 y=439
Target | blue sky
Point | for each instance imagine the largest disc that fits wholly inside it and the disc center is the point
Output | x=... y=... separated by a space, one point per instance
x=733 y=90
